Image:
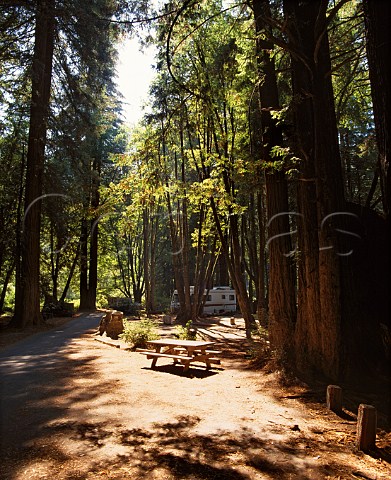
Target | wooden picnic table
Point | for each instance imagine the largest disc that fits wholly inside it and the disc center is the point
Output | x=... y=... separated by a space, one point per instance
x=181 y=351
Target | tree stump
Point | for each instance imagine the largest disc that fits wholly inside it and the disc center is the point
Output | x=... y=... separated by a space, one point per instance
x=104 y=322
x=114 y=326
x=232 y=321
x=334 y=398
x=366 y=427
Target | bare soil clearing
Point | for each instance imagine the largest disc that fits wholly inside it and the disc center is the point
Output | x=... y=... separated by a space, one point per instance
x=106 y=415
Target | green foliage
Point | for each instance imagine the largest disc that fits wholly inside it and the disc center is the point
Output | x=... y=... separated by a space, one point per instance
x=186 y=332
x=140 y=332
x=195 y=146
x=353 y=101
x=283 y=160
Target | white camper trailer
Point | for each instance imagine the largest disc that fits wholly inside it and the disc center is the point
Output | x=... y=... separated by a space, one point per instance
x=218 y=300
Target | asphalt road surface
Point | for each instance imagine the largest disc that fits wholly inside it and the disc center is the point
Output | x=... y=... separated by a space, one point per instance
x=27 y=368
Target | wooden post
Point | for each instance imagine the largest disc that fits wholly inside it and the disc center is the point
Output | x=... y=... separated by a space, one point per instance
x=366 y=427
x=232 y=320
x=334 y=398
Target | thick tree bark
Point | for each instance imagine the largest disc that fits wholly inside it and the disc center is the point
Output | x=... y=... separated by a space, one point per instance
x=282 y=295
x=27 y=305
x=320 y=193
x=308 y=334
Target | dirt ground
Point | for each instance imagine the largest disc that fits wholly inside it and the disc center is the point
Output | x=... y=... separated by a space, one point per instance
x=118 y=419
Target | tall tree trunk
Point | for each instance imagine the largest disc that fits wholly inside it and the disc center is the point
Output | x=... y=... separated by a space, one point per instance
x=27 y=307
x=186 y=310
x=149 y=246
x=54 y=264
x=222 y=277
x=184 y=222
x=89 y=240
x=70 y=275
x=235 y=267
x=282 y=295
x=154 y=232
x=320 y=192
x=176 y=232
x=251 y=237
x=146 y=260
x=6 y=281
x=83 y=277
x=204 y=266
x=180 y=243
x=239 y=274
x=261 y=288
x=124 y=265
x=93 y=266
x=88 y=266
x=18 y=251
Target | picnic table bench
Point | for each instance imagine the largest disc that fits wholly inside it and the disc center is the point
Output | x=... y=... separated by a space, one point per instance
x=181 y=351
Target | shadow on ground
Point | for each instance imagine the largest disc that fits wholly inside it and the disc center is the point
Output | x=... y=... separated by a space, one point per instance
x=194 y=371
x=177 y=452
x=173 y=450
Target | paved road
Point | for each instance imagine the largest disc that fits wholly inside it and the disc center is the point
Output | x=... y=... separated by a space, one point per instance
x=27 y=369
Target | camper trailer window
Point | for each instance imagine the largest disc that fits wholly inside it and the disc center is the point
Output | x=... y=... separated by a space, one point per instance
x=232 y=297
x=209 y=298
x=223 y=297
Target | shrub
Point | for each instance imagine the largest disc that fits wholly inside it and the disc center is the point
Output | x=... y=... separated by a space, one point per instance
x=139 y=333
x=186 y=332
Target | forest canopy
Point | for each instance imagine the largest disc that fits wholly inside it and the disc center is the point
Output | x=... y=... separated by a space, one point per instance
x=262 y=163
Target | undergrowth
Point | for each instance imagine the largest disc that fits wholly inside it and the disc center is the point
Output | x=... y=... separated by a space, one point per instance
x=186 y=332
x=140 y=332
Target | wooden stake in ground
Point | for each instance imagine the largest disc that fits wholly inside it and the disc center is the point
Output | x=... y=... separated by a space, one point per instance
x=366 y=427
x=334 y=398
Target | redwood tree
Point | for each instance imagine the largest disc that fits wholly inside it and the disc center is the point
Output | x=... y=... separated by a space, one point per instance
x=282 y=295
x=27 y=298
x=320 y=191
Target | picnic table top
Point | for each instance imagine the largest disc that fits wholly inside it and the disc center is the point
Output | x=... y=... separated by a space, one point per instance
x=177 y=342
